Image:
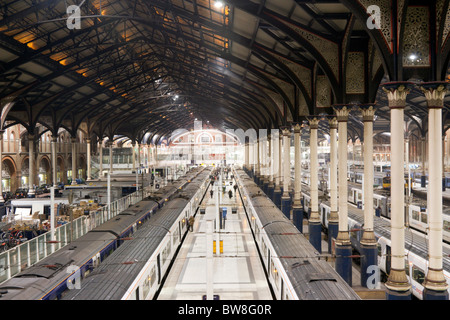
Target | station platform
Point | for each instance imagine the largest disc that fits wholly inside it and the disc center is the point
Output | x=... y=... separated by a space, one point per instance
x=238 y=273
x=363 y=292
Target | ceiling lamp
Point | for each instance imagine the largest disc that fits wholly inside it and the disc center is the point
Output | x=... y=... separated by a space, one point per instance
x=218 y=4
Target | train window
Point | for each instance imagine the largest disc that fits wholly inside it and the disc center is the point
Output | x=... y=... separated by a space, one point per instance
x=146 y=287
x=418 y=275
x=353 y=233
x=137 y=293
x=165 y=253
x=175 y=237
x=415 y=214
x=446 y=226
x=424 y=217
x=407 y=267
x=274 y=273
x=375 y=203
x=380 y=249
x=152 y=276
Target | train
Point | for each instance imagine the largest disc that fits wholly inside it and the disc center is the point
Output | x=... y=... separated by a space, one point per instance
x=294 y=269
x=416 y=213
x=135 y=271
x=416 y=253
x=53 y=277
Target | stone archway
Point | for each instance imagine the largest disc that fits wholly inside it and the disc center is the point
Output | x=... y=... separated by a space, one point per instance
x=25 y=173
x=81 y=166
x=44 y=172
x=9 y=174
x=61 y=175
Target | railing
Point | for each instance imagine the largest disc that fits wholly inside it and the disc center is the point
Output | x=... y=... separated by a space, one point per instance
x=32 y=251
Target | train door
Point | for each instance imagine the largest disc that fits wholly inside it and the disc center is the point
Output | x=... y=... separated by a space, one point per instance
x=282 y=290
x=388 y=259
x=324 y=216
x=137 y=293
x=158 y=261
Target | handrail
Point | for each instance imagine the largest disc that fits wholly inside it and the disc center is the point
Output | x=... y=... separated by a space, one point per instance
x=34 y=250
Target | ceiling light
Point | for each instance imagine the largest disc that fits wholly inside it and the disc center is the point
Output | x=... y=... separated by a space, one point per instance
x=412 y=56
x=218 y=4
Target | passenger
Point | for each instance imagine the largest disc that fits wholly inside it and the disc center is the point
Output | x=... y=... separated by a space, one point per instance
x=378 y=211
x=211 y=193
x=191 y=223
x=230 y=194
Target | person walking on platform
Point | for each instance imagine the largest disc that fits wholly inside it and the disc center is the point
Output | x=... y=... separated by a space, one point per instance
x=191 y=223
x=230 y=194
x=211 y=193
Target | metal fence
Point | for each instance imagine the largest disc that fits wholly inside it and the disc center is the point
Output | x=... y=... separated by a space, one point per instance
x=32 y=251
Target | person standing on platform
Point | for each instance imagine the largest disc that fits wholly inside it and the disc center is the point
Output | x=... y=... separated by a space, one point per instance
x=211 y=192
x=224 y=216
x=378 y=211
x=230 y=194
x=191 y=223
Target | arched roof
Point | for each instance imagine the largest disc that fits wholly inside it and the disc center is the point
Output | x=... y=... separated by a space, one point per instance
x=134 y=67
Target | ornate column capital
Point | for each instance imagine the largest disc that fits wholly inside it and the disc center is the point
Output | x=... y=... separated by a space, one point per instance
x=286 y=131
x=434 y=93
x=342 y=112
x=313 y=122
x=368 y=112
x=397 y=92
x=333 y=122
x=297 y=128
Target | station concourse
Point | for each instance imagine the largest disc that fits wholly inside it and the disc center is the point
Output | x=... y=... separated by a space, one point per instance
x=336 y=109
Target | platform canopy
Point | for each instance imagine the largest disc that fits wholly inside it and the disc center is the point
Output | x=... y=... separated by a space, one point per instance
x=134 y=67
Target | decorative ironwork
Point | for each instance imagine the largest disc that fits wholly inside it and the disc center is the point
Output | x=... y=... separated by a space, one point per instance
x=354 y=77
x=416 y=43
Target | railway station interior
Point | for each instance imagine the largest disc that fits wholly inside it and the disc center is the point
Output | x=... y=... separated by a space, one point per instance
x=309 y=141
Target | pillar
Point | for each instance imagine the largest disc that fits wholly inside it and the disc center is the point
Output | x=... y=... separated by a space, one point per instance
x=257 y=161
x=369 y=251
x=54 y=166
x=314 y=224
x=31 y=190
x=74 y=160
x=246 y=156
x=1 y=167
x=343 y=246
x=133 y=156
x=333 y=221
x=435 y=283
x=265 y=164
x=110 y=146
x=423 y=178
x=100 y=163
x=397 y=284
x=138 y=147
x=271 y=185
x=285 y=198
x=297 y=209
x=278 y=177
x=251 y=159
x=88 y=154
